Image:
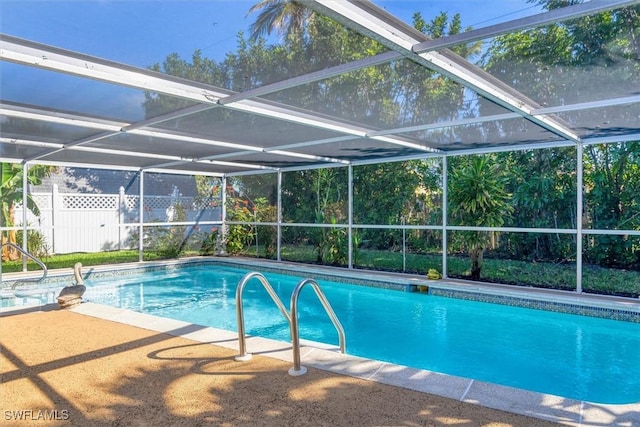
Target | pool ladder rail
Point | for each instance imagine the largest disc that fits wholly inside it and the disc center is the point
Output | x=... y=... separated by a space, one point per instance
x=291 y=317
x=28 y=255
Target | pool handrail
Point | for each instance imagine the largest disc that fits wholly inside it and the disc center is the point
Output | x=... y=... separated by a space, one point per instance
x=242 y=348
x=295 y=334
x=27 y=254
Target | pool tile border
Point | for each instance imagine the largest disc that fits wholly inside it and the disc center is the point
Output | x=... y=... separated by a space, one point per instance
x=536 y=304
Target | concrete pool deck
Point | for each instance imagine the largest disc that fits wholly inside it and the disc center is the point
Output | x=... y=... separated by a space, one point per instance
x=101 y=365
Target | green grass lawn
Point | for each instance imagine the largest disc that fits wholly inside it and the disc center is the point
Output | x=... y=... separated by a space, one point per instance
x=68 y=260
x=520 y=273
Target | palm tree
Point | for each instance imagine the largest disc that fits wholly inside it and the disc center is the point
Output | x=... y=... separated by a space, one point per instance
x=284 y=17
x=478 y=197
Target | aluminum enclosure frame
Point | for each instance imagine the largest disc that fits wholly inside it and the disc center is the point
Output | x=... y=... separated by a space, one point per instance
x=363 y=17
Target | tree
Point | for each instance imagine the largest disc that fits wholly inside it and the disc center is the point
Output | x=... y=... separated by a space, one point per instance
x=386 y=194
x=580 y=60
x=478 y=197
x=285 y=17
x=11 y=194
x=543 y=184
x=318 y=196
x=612 y=201
x=441 y=26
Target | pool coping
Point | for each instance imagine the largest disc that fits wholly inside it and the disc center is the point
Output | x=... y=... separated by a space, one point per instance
x=328 y=358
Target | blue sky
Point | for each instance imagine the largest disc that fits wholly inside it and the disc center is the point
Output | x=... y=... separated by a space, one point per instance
x=144 y=32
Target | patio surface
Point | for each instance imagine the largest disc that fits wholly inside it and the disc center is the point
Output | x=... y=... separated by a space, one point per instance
x=66 y=368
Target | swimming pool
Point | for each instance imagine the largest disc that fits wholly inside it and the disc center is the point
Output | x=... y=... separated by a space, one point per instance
x=573 y=356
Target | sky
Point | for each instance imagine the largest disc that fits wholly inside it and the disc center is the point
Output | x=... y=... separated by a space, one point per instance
x=143 y=32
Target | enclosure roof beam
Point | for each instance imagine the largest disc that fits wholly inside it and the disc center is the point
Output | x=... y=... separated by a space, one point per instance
x=451 y=123
x=51 y=116
x=194 y=109
x=315 y=76
x=112 y=127
x=612 y=139
x=88 y=165
x=30 y=53
x=603 y=103
x=183 y=172
x=159 y=166
x=58 y=147
x=30 y=143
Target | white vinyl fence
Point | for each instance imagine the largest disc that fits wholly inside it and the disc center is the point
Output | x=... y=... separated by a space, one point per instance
x=72 y=222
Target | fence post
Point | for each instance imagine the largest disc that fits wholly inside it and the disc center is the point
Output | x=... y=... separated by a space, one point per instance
x=121 y=210
x=55 y=210
x=141 y=219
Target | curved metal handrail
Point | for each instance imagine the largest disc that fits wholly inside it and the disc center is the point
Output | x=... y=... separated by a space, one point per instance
x=295 y=335
x=240 y=314
x=27 y=254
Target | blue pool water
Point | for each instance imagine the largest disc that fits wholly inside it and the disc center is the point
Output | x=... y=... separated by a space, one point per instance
x=585 y=358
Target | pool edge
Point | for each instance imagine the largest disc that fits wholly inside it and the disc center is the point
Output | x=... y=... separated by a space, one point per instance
x=523 y=402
